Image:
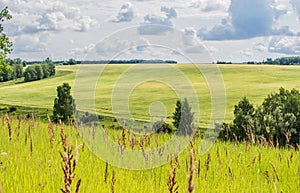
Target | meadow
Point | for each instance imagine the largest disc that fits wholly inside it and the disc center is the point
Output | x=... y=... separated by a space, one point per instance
x=253 y=81
x=30 y=159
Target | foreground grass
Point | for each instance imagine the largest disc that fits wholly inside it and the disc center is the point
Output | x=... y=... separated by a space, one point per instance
x=29 y=164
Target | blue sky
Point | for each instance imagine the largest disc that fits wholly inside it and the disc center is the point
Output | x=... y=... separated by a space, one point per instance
x=231 y=30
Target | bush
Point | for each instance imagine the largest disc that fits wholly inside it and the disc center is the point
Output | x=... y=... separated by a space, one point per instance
x=276 y=119
x=12 y=109
x=162 y=127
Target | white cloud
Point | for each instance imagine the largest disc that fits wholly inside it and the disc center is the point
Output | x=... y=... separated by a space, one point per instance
x=279 y=11
x=154 y=25
x=36 y=16
x=190 y=31
x=246 y=22
x=141 y=45
x=126 y=13
x=30 y=43
x=285 y=45
x=81 y=52
x=246 y=52
x=170 y=12
x=260 y=47
x=211 y=5
x=296 y=5
x=190 y=36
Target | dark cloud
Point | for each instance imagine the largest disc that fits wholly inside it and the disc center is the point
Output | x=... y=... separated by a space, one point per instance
x=247 y=19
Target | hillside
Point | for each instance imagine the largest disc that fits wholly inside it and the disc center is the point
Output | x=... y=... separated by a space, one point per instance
x=253 y=81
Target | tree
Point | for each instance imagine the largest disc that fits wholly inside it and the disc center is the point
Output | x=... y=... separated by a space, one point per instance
x=51 y=69
x=243 y=118
x=5 y=44
x=30 y=74
x=18 y=69
x=39 y=72
x=72 y=61
x=64 y=104
x=45 y=70
x=280 y=113
x=183 y=118
x=50 y=66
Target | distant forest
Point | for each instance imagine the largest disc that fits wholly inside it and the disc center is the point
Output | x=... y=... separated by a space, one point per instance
x=292 y=60
x=132 y=61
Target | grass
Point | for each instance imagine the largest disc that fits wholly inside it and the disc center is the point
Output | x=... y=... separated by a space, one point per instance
x=253 y=81
x=30 y=164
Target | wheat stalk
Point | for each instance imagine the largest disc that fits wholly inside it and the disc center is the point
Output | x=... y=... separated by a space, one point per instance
x=172 y=183
x=230 y=173
x=78 y=186
x=51 y=132
x=267 y=176
x=191 y=172
x=2 y=118
x=31 y=146
x=68 y=164
x=19 y=125
x=113 y=181
x=8 y=121
x=207 y=161
x=106 y=172
x=275 y=171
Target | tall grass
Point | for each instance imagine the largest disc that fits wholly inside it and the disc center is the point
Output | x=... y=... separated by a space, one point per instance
x=226 y=167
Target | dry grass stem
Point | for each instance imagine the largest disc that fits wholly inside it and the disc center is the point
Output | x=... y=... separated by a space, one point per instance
x=191 y=172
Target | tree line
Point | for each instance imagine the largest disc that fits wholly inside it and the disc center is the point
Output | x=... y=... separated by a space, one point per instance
x=31 y=73
x=292 y=60
x=39 y=71
x=16 y=67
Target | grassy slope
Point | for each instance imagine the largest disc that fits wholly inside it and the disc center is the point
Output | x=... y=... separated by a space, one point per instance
x=252 y=81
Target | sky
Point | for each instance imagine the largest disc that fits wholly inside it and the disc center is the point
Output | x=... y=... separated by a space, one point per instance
x=182 y=30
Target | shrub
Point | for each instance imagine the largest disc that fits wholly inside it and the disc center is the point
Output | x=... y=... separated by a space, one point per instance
x=12 y=109
x=162 y=127
x=277 y=119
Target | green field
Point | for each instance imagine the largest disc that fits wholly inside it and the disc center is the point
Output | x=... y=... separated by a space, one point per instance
x=253 y=81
